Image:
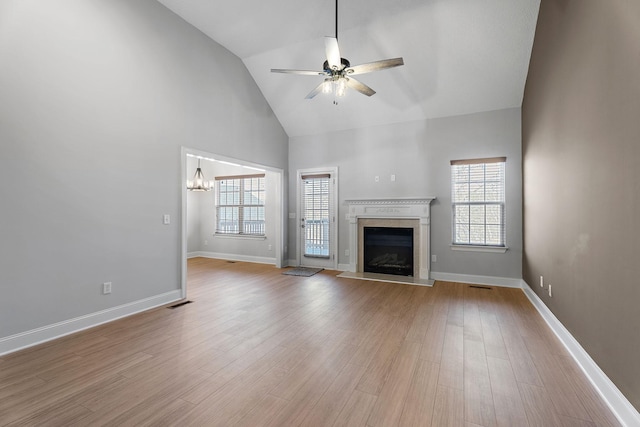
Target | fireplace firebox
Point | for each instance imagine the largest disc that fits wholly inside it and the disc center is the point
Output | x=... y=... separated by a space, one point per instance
x=388 y=250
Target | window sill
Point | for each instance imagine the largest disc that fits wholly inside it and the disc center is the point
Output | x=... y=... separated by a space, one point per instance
x=239 y=236
x=473 y=248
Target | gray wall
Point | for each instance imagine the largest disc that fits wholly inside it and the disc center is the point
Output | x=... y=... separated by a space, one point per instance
x=97 y=97
x=418 y=153
x=581 y=179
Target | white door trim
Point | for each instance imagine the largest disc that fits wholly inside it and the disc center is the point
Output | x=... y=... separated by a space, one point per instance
x=333 y=171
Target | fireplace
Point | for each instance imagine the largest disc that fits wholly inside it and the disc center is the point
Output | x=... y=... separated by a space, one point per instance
x=388 y=250
x=401 y=227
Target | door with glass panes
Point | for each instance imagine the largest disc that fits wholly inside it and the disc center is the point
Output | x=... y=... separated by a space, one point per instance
x=316 y=218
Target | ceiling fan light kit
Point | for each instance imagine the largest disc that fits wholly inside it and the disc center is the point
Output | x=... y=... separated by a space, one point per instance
x=336 y=69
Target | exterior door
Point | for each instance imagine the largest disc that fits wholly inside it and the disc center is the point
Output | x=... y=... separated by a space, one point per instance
x=317 y=220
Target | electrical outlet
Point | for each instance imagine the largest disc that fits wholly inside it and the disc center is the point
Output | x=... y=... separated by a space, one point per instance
x=541 y=282
x=550 y=292
x=206 y=243
x=106 y=288
x=347 y=252
x=377 y=178
x=270 y=247
x=434 y=258
x=393 y=178
x=166 y=219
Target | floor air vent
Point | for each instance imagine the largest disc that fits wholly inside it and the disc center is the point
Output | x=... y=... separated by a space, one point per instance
x=481 y=287
x=180 y=304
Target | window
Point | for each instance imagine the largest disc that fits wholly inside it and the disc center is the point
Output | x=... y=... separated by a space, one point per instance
x=316 y=208
x=477 y=199
x=240 y=205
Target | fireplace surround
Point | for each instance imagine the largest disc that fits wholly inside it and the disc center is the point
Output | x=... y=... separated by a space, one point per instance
x=401 y=213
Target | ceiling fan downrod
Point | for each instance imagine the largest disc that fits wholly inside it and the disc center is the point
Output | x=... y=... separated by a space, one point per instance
x=336 y=19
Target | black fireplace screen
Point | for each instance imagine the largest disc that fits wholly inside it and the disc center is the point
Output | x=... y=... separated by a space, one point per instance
x=388 y=250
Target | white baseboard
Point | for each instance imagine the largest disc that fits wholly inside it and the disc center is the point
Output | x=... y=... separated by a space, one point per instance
x=232 y=257
x=343 y=267
x=505 y=282
x=37 y=336
x=617 y=402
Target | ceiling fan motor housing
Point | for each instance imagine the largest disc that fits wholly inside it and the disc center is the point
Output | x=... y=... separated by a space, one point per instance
x=344 y=62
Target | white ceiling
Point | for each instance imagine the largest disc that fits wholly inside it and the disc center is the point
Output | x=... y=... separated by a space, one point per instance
x=461 y=56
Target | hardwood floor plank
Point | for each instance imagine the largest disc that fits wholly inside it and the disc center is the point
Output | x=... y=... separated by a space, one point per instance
x=589 y=397
x=558 y=388
x=378 y=327
x=380 y=365
x=325 y=411
x=257 y=348
x=356 y=411
x=35 y=367
x=538 y=407
x=452 y=365
x=314 y=362
x=216 y=384
x=263 y=412
x=136 y=393
x=420 y=324
x=508 y=405
x=163 y=411
x=19 y=386
x=309 y=393
x=493 y=341
x=230 y=403
x=388 y=408
x=455 y=295
x=433 y=341
x=523 y=367
x=54 y=415
x=447 y=411
x=112 y=362
x=478 y=396
x=574 y=422
x=419 y=403
x=471 y=314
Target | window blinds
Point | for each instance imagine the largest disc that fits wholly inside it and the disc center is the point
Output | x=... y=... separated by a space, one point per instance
x=478 y=201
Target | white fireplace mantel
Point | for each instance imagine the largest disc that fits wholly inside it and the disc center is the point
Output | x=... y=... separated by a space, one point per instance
x=402 y=208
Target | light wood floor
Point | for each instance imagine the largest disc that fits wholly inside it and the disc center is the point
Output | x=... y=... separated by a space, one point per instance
x=257 y=348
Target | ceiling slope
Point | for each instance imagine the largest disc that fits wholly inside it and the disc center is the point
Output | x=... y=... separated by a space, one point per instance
x=460 y=56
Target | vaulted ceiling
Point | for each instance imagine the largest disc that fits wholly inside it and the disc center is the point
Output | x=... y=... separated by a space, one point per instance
x=461 y=56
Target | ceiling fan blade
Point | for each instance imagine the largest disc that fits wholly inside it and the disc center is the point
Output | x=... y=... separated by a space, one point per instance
x=375 y=66
x=301 y=72
x=333 y=53
x=314 y=92
x=360 y=87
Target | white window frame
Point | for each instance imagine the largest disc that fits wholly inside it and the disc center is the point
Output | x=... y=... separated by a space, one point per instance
x=241 y=205
x=462 y=198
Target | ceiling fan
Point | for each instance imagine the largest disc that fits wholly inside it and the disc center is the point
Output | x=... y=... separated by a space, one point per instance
x=338 y=71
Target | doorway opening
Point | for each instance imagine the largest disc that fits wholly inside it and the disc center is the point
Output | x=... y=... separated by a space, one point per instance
x=201 y=236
